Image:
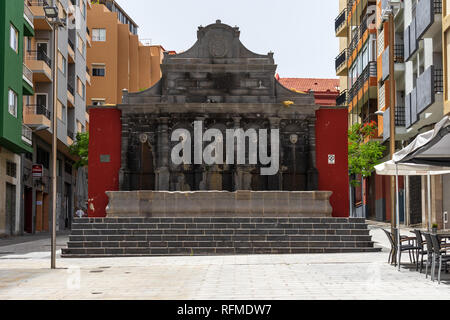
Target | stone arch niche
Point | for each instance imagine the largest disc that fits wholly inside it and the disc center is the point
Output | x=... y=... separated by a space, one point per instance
x=226 y=86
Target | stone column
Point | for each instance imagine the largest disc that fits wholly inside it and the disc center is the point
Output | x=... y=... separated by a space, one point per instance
x=163 y=155
x=313 y=174
x=123 y=177
x=237 y=173
x=275 y=182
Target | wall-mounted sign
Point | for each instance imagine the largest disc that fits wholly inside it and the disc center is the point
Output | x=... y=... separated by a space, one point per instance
x=105 y=158
x=331 y=159
x=37 y=171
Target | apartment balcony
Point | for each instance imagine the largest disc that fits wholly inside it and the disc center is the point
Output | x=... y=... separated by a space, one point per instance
x=28 y=16
x=27 y=81
x=70 y=96
x=341 y=63
x=71 y=51
x=88 y=75
x=400 y=123
x=36 y=115
x=71 y=137
x=88 y=38
x=40 y=21
x=424 y=103
x=342 y=99
x=27 y=135
x=399 y=53
x=40 y=64
x=340 y=24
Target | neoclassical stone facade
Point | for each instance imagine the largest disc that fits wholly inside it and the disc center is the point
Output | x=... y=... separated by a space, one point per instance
x=221 y=83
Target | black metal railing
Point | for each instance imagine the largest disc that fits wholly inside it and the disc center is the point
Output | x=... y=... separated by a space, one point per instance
x=38 y=110
x=340 y=20
x=341 y=59
x=70 y=89
x=400 y=118
x=27 y=133
x=438 y=80
x=437 y=4
x=341 y=100
x=354 y=43
x=399 y=53
x=38 y=3
x=70 y=134
x=369 y=71
x=88 y=31
x=71 y=44
x=364 y=25
x=39 y=55
x=28 y=74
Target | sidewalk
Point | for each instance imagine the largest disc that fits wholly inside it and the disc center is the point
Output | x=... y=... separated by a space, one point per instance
x=35 y=243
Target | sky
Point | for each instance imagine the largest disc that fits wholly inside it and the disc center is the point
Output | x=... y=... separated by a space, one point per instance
x=299 y=32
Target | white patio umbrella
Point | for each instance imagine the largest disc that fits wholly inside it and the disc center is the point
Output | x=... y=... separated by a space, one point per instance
x=427 y=155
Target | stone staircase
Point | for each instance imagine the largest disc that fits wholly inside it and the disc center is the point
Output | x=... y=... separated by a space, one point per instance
x=127 y=237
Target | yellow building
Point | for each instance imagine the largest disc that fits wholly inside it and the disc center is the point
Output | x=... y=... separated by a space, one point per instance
x=117 y=59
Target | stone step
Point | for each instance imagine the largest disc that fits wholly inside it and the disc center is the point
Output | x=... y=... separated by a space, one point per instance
x=171 y=238
x=140 y=252
x=220 y=220
x=221 y=226
x=110 y=232
x=220 y=244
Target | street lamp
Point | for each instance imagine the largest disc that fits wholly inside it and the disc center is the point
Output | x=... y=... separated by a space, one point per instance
x=388 y=15
x=51 y=13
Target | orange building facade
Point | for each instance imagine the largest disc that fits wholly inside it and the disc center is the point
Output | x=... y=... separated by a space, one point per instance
x=117 y=59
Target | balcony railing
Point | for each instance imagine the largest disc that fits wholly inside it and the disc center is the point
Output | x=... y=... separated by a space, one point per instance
x=399 y=53
x=71 y=44
x=38 y=110
x=27 y=134
x=341 y=59
x=87 y=31
x=340 y=20
x=38 y=3
x=27 y=73
x=400 y=119
x=369 y=71
x=342 y=99
x=27 y=12
x=39 y=55
x=71 y=135
x=438 y=80
x=70 y=89
x=437 y=4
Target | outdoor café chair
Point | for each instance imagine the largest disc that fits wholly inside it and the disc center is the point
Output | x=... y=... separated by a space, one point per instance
x=421 y=251
x=403 y=247
x=439 y=256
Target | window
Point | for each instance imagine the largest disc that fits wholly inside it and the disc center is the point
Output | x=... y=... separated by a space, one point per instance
x=61 y=63
x=98 y=102
x=61 y=111
x=98 y=34
x=14 y=38
x=80 y=45
x=12 y=103
x=98 y=70
x=80 y=88
x=11 y=169
x=43 y=157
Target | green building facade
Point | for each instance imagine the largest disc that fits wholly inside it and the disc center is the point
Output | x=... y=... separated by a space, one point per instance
x=13 y=84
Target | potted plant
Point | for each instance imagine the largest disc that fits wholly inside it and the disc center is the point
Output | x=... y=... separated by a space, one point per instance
x=434 y=228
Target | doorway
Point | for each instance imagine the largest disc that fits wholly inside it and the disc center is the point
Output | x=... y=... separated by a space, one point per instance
x=28 y=207
x=10 y=208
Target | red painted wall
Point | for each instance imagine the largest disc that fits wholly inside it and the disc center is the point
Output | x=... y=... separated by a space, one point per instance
x=332 y=138
x=104 y=140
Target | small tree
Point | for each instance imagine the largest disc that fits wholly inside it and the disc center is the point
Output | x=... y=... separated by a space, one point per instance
x=80 y=148
x=364 y=154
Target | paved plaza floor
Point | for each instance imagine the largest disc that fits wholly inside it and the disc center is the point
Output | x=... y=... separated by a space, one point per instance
x=25 y=274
